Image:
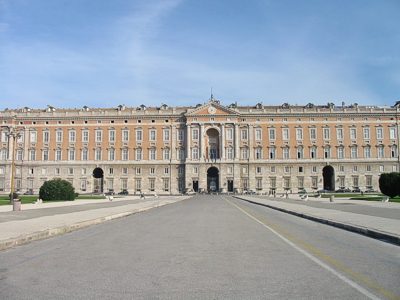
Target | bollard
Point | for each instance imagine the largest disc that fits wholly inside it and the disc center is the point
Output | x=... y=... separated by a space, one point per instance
x=331 y=198
x=16 y=204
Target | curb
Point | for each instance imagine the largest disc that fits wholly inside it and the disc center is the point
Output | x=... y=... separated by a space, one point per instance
x=51 y=232
x=385 y=237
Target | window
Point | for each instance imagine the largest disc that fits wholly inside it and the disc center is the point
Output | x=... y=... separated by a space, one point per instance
x=85 y=153
x=313 y=152
x=368 y=168
x=139 y=135
x=195 y=170
x=125 y=154
x=85 y=136
x=353 y=152
x=138 y=171
x=152 y=171
x=70 y=171
x=32 y=154
x=125 y=135
x=381 y=152
x=138 y=184
x=166 y=153
x=57 y=171
x=258 y=170
x=33 y=136
x=368 y=180
x=166 y=135
x=152 y=184
x=243 y=134
x=299 y=134
x=313 y=133
x=124 y=171
x=45 y=154
x=111 y=171
x=381 y=168
x=111 y=136
x=366 y=133
x=152 y=154
x=340 y=152
x=258 y=134
x=286 y=183
x=300 y=182
x=314 y=169
x=259 y=184
x=58 y=154
x=83 y=171
x=339 y=133
x=286 y=152
x=379 y=133
x=273 y=169
x=286 y=169
x=272 y=134
x=230 y=170
x=229 y=153
x=327 y=152
x=393 y=151
x=195 y=133
x=258 y=153
x=72 y=136
x=180 y=135
x=138 y=155
x=20 y=154
x=272 y=182
x=327 y=133
x=166 y=184
x=314 y=182
x=99 y=136
x=195 y=153
x=229 y=134
x=152 y=135
x=59 y=136
x=353 y=133
x=98 y=154
x=46 y=136
x=83 y=184
x=355 y=181
x=342 y=182
x=285 y=134
x=367 y=152
x=71 y=154
x=111 y=154
x=272 y=153
x=245 y=153
x=300 y=152
x=341 y=168
x=355 y=168
x=4 y=154
x=166 y=171
x=392 y=133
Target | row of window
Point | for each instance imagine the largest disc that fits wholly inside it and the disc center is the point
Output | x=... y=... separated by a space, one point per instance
x=272 y=134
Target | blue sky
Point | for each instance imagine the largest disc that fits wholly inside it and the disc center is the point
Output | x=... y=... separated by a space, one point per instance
x=101 y=53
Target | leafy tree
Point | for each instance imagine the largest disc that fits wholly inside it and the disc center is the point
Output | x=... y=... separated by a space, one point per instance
x=57 y=189
x=389 y=184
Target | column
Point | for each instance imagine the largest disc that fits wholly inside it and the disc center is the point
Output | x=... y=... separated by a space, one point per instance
x=188 y=152
x=173 y=143
x=251 y=148
x=237 y=141
x=222 y=142
x=202 y=144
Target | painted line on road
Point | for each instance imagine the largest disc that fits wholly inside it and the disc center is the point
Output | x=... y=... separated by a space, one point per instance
x=317 y=256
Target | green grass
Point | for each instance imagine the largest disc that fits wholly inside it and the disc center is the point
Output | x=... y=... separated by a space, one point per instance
x=94 y=197
x=375 y=198
x=26 y=199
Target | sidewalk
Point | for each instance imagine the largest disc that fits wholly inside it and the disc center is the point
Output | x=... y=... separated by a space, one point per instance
x=40 y=221
x=362 y=220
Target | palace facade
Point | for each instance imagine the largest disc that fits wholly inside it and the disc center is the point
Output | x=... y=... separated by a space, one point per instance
x=171 y=150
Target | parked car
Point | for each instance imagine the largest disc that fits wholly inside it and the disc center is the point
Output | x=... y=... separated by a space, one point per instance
x=123 y=192
x=110 y=193
x=343 y=190
x=370 y=191
x=356 y=190
x=29 y=192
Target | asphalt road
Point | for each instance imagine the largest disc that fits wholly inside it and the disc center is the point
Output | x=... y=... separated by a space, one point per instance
x=208 y=247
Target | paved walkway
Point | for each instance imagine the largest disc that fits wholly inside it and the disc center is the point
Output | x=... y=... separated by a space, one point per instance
x=375 y=219
x=39 y=221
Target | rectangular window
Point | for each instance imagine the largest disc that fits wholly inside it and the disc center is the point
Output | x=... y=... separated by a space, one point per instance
x=124 y=184
x=125 y=135
x=138 y=154
x=259 y=184
x=138 y=171
x=368 y=180
x=285 y=134
x=72 y=136
x=366 y=133
x=166 y=135
x=195 y=134
x=272 y=133
x=195 y=153
x=245 y=153
x=353 y=152
x=229 y=134
x=152 y=154
x=259 y=153
x=379 y=133
x=138 y=184
x=166 y=184
x=99 y=136
x=46 y=136
x=244 y=134
x=313 y=133
x=327 y=133
x=152 y=135
x=314 y=182
x=71 y=154
x=272 y=182
x=229 y=153
x=342 y=182
x=33 y=136
x=139 y=135
x=299 y=134
x=57 y=171
x=353 y=133
x=125 y=171
x=85 y=136
x=367 y=152
x=45 y=154
x=32 y=154
x=300 y=182
x=111 y=136
x=152 y=184
x=340 y=152
x=272 y=153
x=258 y=134
x=166 y=154
x=125 y=154
x=58 y=154
x=111 y=154
x=152 y=171
x=392 y=133
x=339 y=133
x=98 y=154
x=59 y=136
x=180 y=135
x=381 y=152
x=258 y=170
x=286 y=152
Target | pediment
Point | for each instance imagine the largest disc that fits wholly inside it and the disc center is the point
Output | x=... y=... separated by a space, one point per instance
x=211 y=108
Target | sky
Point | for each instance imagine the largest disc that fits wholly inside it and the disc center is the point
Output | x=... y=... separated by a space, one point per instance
x=101 y=53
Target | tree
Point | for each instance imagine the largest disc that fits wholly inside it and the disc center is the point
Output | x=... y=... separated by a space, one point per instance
x=389 y=184
x=57 y=189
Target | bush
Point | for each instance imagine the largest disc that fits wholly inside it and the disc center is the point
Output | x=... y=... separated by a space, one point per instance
x=14 y=196
x=389 y=184
x=57 y=189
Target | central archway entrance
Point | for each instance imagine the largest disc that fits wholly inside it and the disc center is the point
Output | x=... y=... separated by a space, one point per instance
x=213 y=179
x=328 y=173
x=98 y=176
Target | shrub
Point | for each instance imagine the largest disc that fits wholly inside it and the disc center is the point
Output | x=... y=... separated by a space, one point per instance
x=389 y=184
x=57 y=189
x=14 y=196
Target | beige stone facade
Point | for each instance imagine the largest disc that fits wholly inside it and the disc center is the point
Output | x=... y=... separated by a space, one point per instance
x=171 y=150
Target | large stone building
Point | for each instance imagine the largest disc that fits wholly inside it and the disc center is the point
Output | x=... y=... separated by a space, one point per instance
x=170 y=150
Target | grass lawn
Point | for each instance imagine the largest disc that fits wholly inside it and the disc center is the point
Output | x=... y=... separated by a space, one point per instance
x=375 y=198
x=26 y=199
x=94 y=197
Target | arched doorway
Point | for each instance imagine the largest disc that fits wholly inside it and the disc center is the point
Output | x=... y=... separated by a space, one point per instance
x=328 y=174
x=212 y=144
x=98 y=176
x=213 y=179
